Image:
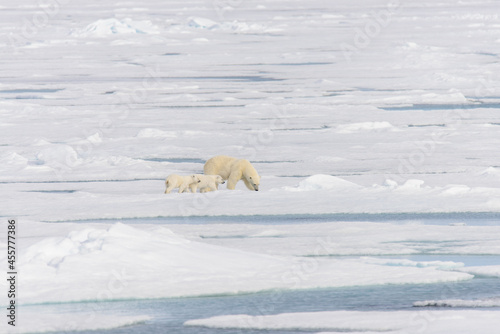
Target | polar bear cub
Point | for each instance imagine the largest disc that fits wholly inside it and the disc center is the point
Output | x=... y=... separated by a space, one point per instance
x=182 y=182
x=208 y=182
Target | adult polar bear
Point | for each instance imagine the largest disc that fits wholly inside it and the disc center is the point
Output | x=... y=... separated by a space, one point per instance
x=233 y=170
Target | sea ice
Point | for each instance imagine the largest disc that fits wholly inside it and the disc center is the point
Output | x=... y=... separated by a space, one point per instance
x=323 y=182
x=396 y=322
x=154 y=262
x=350 y=238
x=361 y=109
x=36 y=320
x=365 y=126
x=486 y=271
x=112 y=26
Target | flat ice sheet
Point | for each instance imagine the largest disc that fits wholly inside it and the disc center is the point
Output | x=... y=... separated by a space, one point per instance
x=348 y=238
x=429 y=322
x=41 y=321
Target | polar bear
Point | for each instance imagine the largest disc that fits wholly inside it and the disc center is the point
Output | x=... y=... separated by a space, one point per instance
x=207 y=183
x=233 y=170
x=182 y=182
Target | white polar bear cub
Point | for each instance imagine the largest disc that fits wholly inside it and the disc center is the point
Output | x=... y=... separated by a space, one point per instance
x=233 y=170
x=208 y=182
x=182 y=182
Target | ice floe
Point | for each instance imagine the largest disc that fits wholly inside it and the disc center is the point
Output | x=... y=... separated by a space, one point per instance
x=113 y=26
x=364 y=126
x=124 y=262
x=396 y=322
x=55 y=321
x=323 y=182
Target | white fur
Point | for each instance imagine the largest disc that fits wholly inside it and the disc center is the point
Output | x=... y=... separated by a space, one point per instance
x=208 y=182
x=182 y=182
x=233 y=170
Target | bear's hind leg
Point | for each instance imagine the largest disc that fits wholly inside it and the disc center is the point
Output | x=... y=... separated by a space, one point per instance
x=169 y=188
x=183 y=188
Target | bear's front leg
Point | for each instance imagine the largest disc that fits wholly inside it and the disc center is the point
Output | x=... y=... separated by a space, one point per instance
x=193 y=187
x=232 y=180
x=248 y=184
x=213 y=186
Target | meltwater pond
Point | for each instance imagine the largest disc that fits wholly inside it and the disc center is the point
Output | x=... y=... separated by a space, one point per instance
x=169 y=315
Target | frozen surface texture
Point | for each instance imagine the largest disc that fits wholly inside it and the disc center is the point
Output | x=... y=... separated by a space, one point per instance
x=398 y=100
x=400 y=322
x=365 y=109
x=154 y=263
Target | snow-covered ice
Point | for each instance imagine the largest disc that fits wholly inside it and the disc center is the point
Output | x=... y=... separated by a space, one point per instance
x=489 y=271
x=399 y=322
x=373 y=124
x=57 y=321
x=347 y=238
x=155 y=262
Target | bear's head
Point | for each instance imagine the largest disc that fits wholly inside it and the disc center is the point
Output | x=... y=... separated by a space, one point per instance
x=253 y=179
x=195 y=179
x=219 y=180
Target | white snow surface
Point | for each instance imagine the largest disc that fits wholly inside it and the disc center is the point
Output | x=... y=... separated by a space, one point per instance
x=49 y=322
x=104 y=27
x=125 y=95
x=154 y=262
x=355 y=239
x=363 y=107
x=486 y=271
x=398 y=322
